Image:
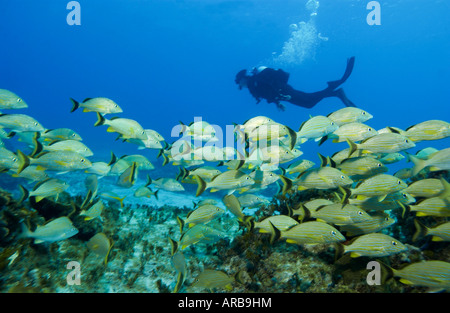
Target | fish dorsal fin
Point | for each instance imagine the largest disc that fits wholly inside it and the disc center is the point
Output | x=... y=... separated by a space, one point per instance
x=301 y=126
x=393 y=130
x=321 y=207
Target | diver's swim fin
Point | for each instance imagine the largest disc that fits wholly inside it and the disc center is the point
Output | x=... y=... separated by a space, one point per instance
x=348 y=70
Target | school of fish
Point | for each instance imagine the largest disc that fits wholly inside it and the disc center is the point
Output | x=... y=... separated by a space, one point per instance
x=264 y=154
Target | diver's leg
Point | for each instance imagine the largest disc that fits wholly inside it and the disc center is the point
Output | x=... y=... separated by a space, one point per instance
x=348 y=70
x=341 y=95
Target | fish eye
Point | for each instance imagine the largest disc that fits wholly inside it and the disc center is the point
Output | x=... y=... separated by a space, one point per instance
x=19 y=100
x=342 y=176
x=363 y=112
x=404 y=195
x=360 y=213
x=333 y=233
x=369 y=129
x=386 y=218
x=379 y=164
x=399 y=182
x=73 y=135
x=14 y=159
x=82 y=160
x=407 y=141
x=394 y=243
x=35 y=124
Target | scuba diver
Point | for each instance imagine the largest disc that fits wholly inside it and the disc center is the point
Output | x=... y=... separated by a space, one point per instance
x=270 y=84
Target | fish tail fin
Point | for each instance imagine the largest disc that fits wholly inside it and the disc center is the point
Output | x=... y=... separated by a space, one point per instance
x=387 y=272
x=100 y=120
x=352 y=147
x=75 y=105
x=251 y=224
x=182 y=174
x=156 y=194
x=24 y=161
x=275 y=233
x=339 y=250
x=323 y=139
x=419 y=164
x=24 y=194
x=113 y=159
x=181 y=223
x=165 y=159
x=201 y=185
x=179 y=284
x=239 y=277
x=346 y=194
x=446 y=192
x=287 y=184
x=173 y=246
x=38 y=147
x=421 y=230
x=25 y=232
x=323 y=160
x=293 y=138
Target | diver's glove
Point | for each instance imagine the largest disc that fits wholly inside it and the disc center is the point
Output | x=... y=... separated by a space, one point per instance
x=284 y=97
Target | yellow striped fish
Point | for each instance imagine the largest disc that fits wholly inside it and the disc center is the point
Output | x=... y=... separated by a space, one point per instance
x=377 y=222
x=201 y=215
x=392 y=201
x=340 y=215
x=353 y=131
x=322 y=178
x=362 y=166
x=433 y=274
x=310 y=233
x=428 y=130
x=374 y=245
x=299 y=166
x=349 y=115
x=382 y=143
x=427 y=188
x=199 y=233
x=229 y=180
x=45 y=189
x=379 y=186
x=9 y=100
x=100 y=245
x=210 y=279
x=281 y=222
x=315 y=128
x=439 y=233
x=435 y=206
x=437 y=161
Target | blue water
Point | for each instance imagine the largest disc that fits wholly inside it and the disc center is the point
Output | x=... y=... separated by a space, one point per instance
x=170 y=61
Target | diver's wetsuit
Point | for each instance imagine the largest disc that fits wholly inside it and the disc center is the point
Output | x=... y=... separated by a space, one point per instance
x=271 y=84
